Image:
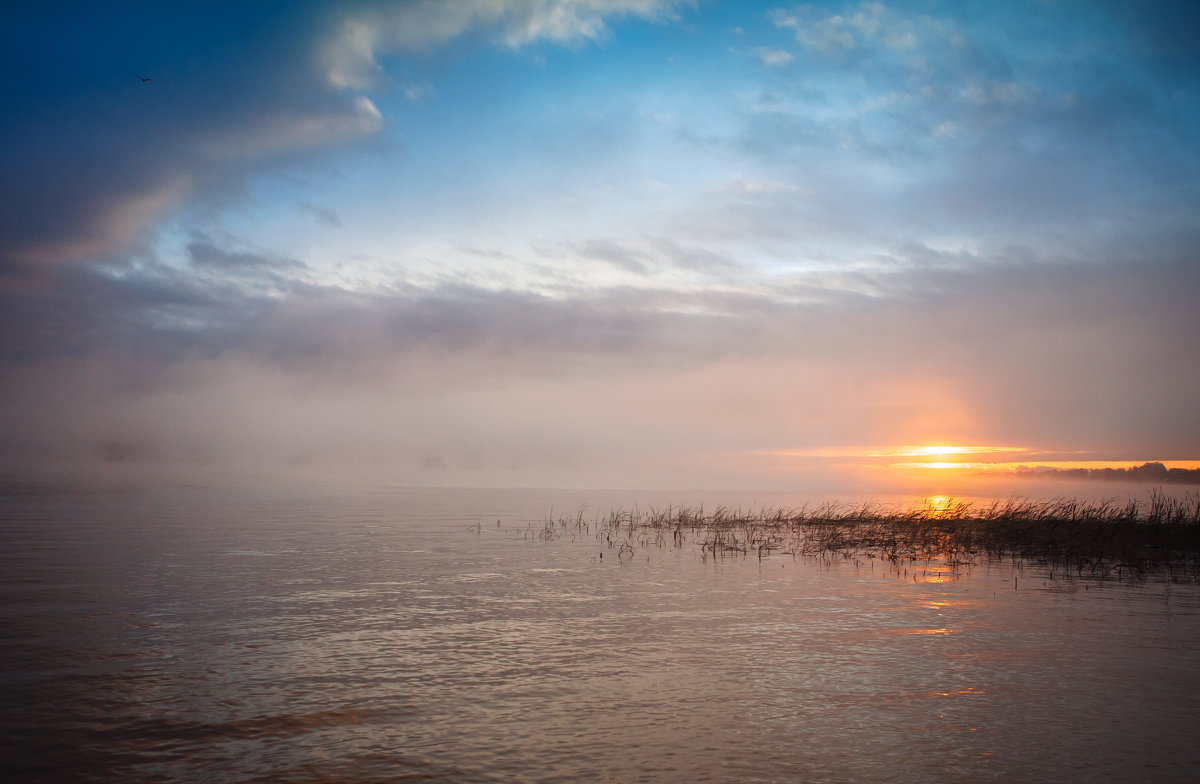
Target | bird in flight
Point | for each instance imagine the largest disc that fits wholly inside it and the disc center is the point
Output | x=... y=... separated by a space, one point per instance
x=145 y=78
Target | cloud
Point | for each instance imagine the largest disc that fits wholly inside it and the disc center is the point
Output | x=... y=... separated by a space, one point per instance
x=182 y=365
x=774 y=57
x=986 y=135
x=299 y=130
x=835 y=34
x=247 y=270
x=696 y=258
x=322 y=215
x=350 y=54
x=418 y=92
x=94 y=160
x=652 y=258
x=620 y=256
x=751 y=185
x=940 y=234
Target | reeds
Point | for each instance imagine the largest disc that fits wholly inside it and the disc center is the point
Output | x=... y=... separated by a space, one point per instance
x=1083 y=538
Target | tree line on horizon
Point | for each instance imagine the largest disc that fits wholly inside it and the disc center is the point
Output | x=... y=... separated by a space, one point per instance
x=1146 y=472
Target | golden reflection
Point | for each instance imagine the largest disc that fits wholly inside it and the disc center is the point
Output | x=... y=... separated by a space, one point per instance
x=940 y=507
x=959 y=693
x=970 y=690
x=933 y=604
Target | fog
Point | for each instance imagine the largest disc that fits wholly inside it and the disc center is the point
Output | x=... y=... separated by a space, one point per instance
x=475 y=387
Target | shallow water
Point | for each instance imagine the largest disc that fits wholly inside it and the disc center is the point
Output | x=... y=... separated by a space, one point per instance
x=232 y=633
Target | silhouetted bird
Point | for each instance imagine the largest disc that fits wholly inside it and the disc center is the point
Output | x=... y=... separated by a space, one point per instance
x=145 y=78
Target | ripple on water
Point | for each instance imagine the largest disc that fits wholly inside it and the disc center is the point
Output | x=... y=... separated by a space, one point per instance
x=182 y=635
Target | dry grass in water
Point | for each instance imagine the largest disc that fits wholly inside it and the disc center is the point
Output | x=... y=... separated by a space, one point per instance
x=1131 y=540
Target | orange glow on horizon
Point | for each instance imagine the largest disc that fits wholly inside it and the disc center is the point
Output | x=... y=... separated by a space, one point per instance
x=928 y=450
x=1012 y=467
x=931 y=451
x=956 y=460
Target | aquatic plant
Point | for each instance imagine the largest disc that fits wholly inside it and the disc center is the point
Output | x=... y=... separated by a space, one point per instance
x=1130 y=539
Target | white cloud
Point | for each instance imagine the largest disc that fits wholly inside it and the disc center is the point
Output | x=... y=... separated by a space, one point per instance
x=833 y=34
x=866 y=26
x=349 y=55
x=750 y=185
x=774 y=56
x=901 y=40
x=418 y=92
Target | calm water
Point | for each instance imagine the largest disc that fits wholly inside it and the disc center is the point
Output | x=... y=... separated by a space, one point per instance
x=220 y=634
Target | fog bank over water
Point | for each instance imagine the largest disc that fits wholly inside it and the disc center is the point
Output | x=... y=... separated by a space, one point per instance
x=471 y=386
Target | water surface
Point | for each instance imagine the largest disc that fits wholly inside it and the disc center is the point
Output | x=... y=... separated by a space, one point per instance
x=237 y=633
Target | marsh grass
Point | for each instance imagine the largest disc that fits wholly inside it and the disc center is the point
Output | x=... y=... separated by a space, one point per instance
x=1075 y=538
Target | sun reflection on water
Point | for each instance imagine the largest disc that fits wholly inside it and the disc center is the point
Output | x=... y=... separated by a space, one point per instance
x=939 y=507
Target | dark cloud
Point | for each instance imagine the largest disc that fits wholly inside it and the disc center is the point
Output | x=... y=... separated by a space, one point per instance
x=323 y=215
x=649 y=256
x=240 y=268
x=232 y=301
x=155 y=311
x=91 y=157
x=619 y=255
x=1093 y=356
x=696 y=259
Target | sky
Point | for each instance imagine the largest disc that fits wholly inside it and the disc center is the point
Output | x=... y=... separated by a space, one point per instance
x=588 y=243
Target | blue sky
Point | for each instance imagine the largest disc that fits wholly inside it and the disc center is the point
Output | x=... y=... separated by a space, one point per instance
x=585 y=242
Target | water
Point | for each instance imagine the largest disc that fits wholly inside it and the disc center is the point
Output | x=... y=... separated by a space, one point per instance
x=231 y=633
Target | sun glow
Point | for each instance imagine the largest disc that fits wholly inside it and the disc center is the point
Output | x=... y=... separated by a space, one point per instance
x=939 y=450
x=942 y=465
x=1014 y=467
x=913 y=462
x=930 y=450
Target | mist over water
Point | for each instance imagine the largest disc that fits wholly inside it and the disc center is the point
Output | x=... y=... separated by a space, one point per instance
x=287 y=632
x=267 y=268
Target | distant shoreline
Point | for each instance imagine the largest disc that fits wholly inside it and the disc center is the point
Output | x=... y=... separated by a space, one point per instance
x=1146 y=473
